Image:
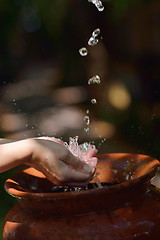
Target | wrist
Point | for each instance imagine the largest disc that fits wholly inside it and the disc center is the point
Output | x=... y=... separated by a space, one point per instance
x=15 y=153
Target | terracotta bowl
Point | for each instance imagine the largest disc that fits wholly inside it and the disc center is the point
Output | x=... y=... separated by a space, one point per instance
x=127 y=174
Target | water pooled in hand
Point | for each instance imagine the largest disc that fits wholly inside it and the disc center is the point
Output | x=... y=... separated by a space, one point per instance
x=78 y=150
x=83 y=51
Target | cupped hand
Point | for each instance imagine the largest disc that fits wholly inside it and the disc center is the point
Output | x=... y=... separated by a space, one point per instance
x=59 y=165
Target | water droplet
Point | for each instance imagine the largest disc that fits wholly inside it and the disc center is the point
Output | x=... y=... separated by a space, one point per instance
x=98 y=4
x=100 y=8
x=87 y=120
x=83 y=52
x=93 y=101
x=86 y=130
x=66 y=145
x=87 y=111
x=95 y=79
x=92 y=41
x=95 y=33
x=127 y=177
x=84 y=147
x=14 y=102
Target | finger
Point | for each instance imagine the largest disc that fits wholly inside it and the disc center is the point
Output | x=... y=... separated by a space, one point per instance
x=80 y=184
x=66 y=174
x=77 y=164
x=93 y=161
x=89 y=154
x=76 y=178
x=53 y=139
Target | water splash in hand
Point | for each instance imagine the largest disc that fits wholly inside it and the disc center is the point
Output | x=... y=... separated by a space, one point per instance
x=85 y=152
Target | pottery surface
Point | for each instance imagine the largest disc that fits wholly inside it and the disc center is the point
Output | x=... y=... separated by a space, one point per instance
x=129 y=208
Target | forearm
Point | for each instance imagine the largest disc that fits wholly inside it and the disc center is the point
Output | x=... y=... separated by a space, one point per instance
x=15 y=153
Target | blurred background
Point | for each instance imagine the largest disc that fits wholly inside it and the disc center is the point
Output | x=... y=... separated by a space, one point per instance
x=44 y=87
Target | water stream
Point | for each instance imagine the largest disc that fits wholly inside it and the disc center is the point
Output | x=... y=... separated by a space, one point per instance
x=93 y=40
x=79 y=150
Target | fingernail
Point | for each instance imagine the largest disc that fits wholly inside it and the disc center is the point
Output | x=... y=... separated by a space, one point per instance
x=88 y=169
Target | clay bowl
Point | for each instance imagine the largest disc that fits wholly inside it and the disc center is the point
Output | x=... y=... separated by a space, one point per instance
x=127 y=177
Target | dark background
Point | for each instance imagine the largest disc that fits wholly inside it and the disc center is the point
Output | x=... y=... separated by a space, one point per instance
x=43 y=79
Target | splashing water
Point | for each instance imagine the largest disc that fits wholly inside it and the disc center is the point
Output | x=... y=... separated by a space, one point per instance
x=80 y=150
x=85 y=152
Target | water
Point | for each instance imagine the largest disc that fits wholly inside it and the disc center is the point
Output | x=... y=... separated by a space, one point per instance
x=94 y=80
x=87 y=111
x=93 y=101
x=73 y=146
x=87 y=187
x=83 y=51
x=86 y=130
x=98 y=4
x=78 y=150
x=87 y=120
x=92 y=41
x=96 y=33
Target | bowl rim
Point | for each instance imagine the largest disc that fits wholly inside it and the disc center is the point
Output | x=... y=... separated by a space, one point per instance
x=10 y=186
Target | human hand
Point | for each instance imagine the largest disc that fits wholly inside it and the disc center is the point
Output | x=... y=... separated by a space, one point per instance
x=59 y=165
